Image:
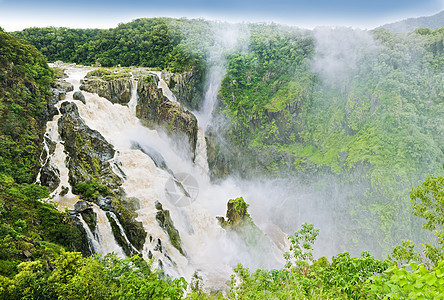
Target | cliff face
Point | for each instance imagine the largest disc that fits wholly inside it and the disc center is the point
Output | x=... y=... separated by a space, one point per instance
x=88 y=150
x=155 y=110
x=114 y=87
x=187 y=87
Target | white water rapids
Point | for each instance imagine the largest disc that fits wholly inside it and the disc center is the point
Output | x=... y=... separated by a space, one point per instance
x=208 y=248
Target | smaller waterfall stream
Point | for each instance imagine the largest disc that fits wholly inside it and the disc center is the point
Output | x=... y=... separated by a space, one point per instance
x=132 y=104
x=104 y=234
x=164 y=86
x=122 y=230
x=93 y=243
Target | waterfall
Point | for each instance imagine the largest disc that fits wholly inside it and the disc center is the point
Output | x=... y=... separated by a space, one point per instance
x=122 y=231
x=132 y=104
x=207 y=246
x=164 y=86
x=204 y=115
x=93 y=243
x=104 y=234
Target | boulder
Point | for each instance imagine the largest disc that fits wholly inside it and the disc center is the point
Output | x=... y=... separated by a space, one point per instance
x=79 y=96
x=81 y=206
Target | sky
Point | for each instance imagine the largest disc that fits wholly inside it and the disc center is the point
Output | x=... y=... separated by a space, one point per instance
x=19 y=14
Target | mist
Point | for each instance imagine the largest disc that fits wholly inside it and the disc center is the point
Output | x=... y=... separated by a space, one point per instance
x=228 y=38
x=338 y=52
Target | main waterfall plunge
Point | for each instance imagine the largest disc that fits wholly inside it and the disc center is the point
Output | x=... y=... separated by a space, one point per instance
x=207 y=247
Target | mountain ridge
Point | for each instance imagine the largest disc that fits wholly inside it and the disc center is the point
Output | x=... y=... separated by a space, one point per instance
x=410 y=24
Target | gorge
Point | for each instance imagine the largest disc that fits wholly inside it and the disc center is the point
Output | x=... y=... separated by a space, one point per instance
x=187 y=147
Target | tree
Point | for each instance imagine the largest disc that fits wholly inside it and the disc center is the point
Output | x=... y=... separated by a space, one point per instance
x=302 y=248
x=428 y=203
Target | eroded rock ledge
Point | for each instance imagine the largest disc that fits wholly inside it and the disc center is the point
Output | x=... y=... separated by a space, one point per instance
x=155 y=110
x=114 y=86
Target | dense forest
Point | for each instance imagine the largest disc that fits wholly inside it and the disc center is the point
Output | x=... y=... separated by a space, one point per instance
x=29 y=229
x=371 y=127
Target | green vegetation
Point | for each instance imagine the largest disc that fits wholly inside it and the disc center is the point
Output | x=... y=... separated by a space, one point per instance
x=69 y=276
x=29 y=229
x=25 y=80
x=92 y=189
x=302 y=248
x=156 y=43
x=374 y=127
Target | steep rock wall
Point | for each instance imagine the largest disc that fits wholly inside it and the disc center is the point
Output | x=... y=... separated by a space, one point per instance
x=155 y=110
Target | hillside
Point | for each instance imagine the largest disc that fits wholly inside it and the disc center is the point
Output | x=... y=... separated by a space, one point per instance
x=408 y=25
x=29 y=228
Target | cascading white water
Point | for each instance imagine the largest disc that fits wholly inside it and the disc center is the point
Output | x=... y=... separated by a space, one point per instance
x=122 y=230
x=133 y=101
x=104 y=234
x=201 y=160
x=93 y=243
x=208 y=248
x=164 y=87
x=204 y=115
x=102 y=241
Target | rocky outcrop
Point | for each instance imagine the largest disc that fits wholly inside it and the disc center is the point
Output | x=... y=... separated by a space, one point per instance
x=79 y=96
x=90 y=164
x=127 y=217
x=89 y=153
x=155 y=110
x=165 y=222
x=239 y=224
x=187 y=87
x=89 y=216
x=114 y=87
x=237 y=214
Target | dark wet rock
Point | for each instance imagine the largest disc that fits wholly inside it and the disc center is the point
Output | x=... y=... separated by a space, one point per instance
x=155 y=155
x=112 y=86
x=166 y=223
x=120 y=238
x=134 y=229
x=236 y=215
x=90 y=218
x=187 y=87
x=64 y=191
x=81 y=206
x=84 y=247
x=131 y=203
x=89 y=153
x=84 y=208
x=63 y=85
x=79 y=96
x=105 y=203
x=155 y=110
x=158 y=246
x=49 y=176
x=158 y=205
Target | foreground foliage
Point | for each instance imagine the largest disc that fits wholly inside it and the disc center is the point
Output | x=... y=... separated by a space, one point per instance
x=69 y=276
